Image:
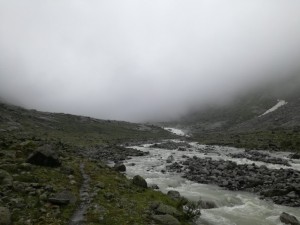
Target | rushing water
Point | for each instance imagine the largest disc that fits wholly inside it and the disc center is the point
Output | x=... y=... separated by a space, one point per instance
x=234 y=207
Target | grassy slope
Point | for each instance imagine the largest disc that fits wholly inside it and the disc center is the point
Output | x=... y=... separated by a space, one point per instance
x=22 y=131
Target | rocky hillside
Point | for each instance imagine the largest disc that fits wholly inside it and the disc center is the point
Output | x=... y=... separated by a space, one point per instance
x=53 y=171
x=265 y=118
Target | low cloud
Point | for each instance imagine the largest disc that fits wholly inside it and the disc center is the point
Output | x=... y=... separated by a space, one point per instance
x=142 y=60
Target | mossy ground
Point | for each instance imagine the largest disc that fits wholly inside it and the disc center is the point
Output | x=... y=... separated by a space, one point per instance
x=119 y=202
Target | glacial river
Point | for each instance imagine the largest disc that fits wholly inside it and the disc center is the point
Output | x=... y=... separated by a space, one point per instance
x=234 y=207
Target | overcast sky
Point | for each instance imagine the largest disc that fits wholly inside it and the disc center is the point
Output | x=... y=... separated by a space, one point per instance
x=142 y=59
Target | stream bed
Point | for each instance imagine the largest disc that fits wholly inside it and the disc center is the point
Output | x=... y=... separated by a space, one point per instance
x=234 y=207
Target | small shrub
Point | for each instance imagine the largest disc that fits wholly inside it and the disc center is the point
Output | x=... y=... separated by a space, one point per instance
x=192 y=210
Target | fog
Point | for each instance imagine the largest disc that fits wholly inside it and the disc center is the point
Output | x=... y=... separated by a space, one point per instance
x=140 y=60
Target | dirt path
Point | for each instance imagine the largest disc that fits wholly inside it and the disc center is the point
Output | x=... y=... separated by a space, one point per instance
x=78 y=217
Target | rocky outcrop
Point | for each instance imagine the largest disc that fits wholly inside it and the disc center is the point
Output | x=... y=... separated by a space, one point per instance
x=281 y=186
x=288 y=219
x=261 y=157
x=44 y=156
x=139 y=181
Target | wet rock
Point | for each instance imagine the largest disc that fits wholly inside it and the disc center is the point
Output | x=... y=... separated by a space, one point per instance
x=170 y=159
x=207 y=204
x=262 y=157
x=139 y=181
x=174 y=194
x=154 y=186
x=166 y=219
x=120 y=167
x=63 y=198
x=288 y=219
x=5 y=178
x=295 y=156
x=44 y=156
x=5 y=216
x=279 y=185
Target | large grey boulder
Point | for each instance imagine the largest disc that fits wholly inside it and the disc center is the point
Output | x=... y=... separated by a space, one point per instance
x=166 y=219
x=44 y=156
x=63 y=198
x=5 y=178
x=139 y=181
x=4 y=216
x=288 y=219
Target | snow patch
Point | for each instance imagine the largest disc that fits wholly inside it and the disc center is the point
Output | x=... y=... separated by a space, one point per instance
x=275 y=107
x=175 y=131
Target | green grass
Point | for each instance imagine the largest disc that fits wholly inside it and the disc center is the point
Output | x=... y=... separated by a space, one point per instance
x=128 y=205
x=278 y=140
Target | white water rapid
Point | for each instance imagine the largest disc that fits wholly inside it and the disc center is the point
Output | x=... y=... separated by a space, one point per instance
x=234 y=207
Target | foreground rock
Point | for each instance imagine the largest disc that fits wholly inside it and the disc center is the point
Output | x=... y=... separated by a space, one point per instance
x=288 y=219
x=281 y=186
x=63 y=198
x=139 y=181
x=4 y=216
x=166 y=219
x=44 y=156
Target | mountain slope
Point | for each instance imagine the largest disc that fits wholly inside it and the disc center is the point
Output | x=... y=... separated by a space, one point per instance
x=71 y=129
x=245 y=123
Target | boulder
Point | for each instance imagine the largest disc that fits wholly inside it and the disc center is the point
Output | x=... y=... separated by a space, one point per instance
x=63 y=198
x=120 y=167
x=295 y=156
x=163 y=209
x=44 y=156
x=5 y=216
x=207 y=204
x=166 y=219
x=288 y=219
x=174 y=195
x=170 y=159
x=5 y=178
x=139 y=181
